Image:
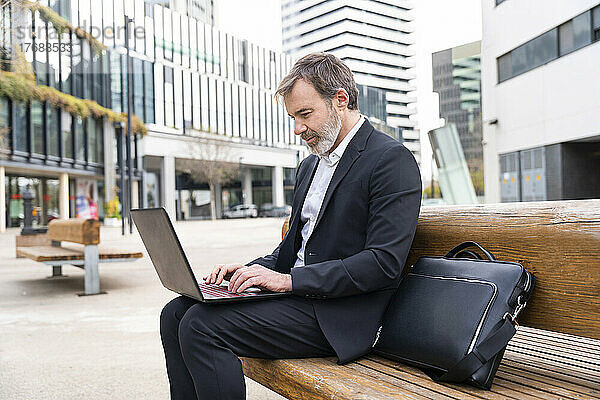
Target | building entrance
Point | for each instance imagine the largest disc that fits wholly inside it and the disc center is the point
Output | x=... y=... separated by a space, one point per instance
x=45 y=200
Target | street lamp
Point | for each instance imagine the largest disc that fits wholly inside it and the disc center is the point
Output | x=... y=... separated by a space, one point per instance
x=242 y=182
x=121 y=161
x=129 y=135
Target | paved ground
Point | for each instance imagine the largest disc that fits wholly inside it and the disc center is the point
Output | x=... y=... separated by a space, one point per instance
x=56 y=345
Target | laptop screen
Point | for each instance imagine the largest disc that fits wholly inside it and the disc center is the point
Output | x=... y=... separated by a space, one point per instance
x=165 y=251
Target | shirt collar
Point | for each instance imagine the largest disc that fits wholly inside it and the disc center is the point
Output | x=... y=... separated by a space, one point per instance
x=336 y=155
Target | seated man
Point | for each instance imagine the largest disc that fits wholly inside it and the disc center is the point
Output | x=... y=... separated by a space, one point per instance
x=354 y=214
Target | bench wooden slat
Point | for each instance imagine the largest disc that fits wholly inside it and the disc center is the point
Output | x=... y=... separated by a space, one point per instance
x=400 y=387
x=558 y=241
x=62 y=253
x=554 y=390
x=508 y=389
x=575 y=348
x=551 y=372
x=377 y=377
x=557 y=365
x=544 y=379
x=418 y=381
x=579 y=358
x=562 y=338
x=528 y=390
x=319 y=378
x=77 y=230
x=49 y=253
x=497 y=391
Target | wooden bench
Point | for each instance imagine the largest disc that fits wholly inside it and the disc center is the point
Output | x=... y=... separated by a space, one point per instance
x=83 y=232
x=557 y=356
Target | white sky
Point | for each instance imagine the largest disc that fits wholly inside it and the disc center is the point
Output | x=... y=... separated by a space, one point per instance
x=258 y=21
x=439 y=24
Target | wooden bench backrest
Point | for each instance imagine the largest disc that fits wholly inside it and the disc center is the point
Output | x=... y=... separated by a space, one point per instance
x=558 y=241
x=77 y=230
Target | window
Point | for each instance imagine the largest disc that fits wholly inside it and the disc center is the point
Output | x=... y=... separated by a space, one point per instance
x=124 y=68
x=67 y=137
x=85 y=70
x=187 y=99
x=41 y=54
x=178 y=97
x=79 y=139
x=212 y=105
x=115 y=81
x=208 y=52
x=196 y=101
x=53 y=145
x=20 y=126
x=149 y=9
x=37 y=122
x=596 y=23
x=65 y=62
x=243 y=60
x=169 y=105
x=138 y=88
x=95 y=138
x=575 y=34
x=77 y=88
x=53 y=58
x=567 y=37
x=149 y=92
x=4 y=123
x=91 y=140
x=168 y=34
x=95 y=78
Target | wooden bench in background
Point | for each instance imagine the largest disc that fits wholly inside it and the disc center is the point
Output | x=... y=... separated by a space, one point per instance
x=83 y=232
x=557 y=356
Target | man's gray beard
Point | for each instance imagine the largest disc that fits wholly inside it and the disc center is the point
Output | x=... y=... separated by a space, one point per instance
x=328 y=134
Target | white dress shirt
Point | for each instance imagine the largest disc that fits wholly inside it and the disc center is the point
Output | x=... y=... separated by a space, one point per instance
x=318 y=188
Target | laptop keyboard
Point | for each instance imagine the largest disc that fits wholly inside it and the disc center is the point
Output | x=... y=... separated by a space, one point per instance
x=221 y=291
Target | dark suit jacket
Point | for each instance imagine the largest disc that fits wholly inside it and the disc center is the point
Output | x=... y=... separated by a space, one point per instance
x=355 y=255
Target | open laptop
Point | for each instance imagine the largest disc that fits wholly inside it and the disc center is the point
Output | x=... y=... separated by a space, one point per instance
x=172 y=266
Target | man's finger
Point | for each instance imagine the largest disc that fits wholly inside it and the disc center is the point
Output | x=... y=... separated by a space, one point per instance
x=224 y=271
x=235 y=276
x=213 y=274
x=254 y=281
x=237 y=279
x=246 y=274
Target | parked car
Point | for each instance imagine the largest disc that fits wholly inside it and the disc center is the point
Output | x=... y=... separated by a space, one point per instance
x=241 y=211
x=268 y=210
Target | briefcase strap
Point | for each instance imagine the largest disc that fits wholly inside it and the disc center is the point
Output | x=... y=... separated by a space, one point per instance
x=479 y=356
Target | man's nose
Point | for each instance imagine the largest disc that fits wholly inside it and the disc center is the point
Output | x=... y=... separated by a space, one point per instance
x=299 y=128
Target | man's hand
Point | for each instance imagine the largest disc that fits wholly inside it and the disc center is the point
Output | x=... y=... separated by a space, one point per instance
x=259 y=276
x=221 y=272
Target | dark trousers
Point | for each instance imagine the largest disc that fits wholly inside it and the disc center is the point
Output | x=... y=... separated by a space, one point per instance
x=202 y=342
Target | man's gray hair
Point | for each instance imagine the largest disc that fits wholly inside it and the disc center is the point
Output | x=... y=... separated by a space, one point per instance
x=326 y=73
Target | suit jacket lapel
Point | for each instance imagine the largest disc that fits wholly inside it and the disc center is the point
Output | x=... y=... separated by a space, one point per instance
x=352 y=152
x=301 y=193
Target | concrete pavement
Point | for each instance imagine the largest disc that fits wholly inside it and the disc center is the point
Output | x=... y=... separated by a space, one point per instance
x=57 y=345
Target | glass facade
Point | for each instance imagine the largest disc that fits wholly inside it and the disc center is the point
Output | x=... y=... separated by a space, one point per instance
x=570 y=36
x=457 y=80
x=186 y=75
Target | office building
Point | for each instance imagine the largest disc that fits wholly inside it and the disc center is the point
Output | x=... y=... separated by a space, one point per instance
x=540 y=85
x=375 y=40
x=457 y=80
x=202 y=94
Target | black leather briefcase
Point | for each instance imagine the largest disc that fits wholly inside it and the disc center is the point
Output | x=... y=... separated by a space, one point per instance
x=453 y=316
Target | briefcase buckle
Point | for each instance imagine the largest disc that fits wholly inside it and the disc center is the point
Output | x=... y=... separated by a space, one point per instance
x=513 y=317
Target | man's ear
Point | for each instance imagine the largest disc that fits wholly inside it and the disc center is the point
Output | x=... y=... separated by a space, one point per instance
x=341 y=99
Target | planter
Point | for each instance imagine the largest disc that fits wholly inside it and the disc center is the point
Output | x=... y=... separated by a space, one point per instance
x=112 y=222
